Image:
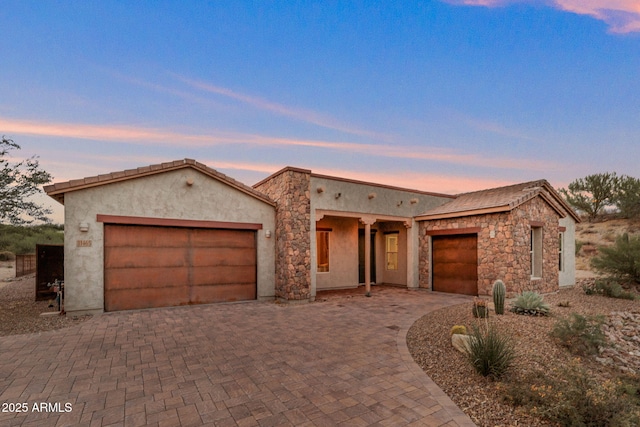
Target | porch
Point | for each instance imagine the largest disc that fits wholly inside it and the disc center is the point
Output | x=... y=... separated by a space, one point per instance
x=344 y=258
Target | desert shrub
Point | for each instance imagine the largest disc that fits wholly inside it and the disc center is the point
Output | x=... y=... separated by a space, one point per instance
x=608 y=288
x=582 y=335
x=530 y=303
x=569 y=396
x=490 y=353
x=7 y=256
x=622 y=260
x=590 y=288
x=578 y=246
x=23 y=239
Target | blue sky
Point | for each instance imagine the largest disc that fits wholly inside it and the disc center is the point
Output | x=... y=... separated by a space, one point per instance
x=447 y=96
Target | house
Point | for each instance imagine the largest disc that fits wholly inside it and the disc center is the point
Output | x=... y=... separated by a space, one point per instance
x=182 y=233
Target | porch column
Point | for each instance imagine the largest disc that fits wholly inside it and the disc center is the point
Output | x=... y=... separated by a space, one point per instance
x=367 y=253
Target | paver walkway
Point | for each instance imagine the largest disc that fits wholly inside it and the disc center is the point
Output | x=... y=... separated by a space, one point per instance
x=343 y=361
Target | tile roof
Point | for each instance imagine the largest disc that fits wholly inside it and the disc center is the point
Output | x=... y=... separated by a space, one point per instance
x=501 y=199
x=58 y=189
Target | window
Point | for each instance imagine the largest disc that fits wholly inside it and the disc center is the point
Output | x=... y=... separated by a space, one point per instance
x=391 y=250
x=561 y=251
x=535 y=252
x=322 y=253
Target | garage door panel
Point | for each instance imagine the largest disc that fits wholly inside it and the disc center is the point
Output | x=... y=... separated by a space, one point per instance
x=459 y=271
x=143 y=257
x=143 y=236
x=455 y=264
x=135 y=278
x=153 y=266
x=223 y=256
x=130 y=299
x=223 y=293
x=457 y=242
x=223 y=239
x=452 y=256
x=224 y=275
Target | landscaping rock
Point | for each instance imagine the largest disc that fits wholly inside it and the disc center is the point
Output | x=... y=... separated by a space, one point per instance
x=622 y=330
x=462 y=343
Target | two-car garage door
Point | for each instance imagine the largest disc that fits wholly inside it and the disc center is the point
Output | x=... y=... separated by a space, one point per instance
x=152 y=266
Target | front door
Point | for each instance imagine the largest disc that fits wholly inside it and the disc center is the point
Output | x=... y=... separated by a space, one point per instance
x=361 y=255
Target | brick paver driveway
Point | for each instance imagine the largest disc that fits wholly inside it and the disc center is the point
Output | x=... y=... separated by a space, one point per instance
x=342 y=361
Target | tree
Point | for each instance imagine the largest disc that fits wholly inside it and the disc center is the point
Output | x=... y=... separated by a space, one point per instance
x=592 y=193
x=18 y=183
x=627 y=196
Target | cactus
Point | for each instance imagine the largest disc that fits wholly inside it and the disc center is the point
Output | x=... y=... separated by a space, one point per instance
x=498 y=296
x=459 y=329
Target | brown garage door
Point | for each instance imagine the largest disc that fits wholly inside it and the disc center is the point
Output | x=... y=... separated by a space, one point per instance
x=455 y=264
x=148 y=266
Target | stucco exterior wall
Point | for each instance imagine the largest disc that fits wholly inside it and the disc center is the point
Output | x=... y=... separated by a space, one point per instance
x=503 y=247
x=350 y=196
x=164 y=195
x=568 y=274
x=343 y=254
x=294 y=232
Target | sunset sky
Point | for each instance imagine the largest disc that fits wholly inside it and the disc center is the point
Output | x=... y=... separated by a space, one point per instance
x=447 y=96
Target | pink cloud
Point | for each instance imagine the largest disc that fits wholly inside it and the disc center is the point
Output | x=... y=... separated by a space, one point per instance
x=440 y=183
x=622 y=16
x=153 y=136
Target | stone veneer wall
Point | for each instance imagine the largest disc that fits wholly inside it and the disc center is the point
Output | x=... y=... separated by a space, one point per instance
x=290 y=190
x=506 y=256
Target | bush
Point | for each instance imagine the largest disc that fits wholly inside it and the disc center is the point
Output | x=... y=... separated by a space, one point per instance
x=490 y=353
x=570 y=397
x=23 y=239
x=7 y=256
x=607 y=288
x=622 y=260
x=530 y=303
x=581 y=335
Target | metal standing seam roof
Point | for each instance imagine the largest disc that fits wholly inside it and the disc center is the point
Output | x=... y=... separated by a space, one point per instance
x=58 y=190
x=501 y=199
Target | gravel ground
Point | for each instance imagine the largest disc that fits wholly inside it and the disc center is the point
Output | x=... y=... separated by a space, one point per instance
x=429 y=342
x=20 y=313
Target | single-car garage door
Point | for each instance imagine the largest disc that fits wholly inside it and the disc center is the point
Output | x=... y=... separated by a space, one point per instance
x=455 y=264
x=149 y=266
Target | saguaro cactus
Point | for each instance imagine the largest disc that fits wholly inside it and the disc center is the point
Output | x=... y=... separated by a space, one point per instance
x=498 y=296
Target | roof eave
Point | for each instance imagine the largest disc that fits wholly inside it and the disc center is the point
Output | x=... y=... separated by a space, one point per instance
x=472 y=212
x=57 y=191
